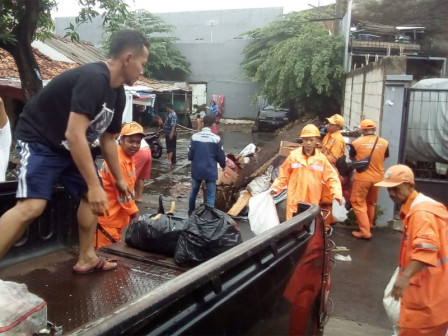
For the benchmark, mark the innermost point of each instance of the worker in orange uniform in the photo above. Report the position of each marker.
(423, 278)
(304, 171)
(143, 163)
(364, 193)
(333, 147)
(121, 211)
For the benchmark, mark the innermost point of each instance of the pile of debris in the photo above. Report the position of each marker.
(251, 163)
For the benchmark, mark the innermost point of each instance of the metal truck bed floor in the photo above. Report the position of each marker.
(89, 297)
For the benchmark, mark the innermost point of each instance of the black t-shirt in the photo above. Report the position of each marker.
(85, 89)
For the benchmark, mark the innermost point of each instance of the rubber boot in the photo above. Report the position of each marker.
(364, 226)
(371, 214)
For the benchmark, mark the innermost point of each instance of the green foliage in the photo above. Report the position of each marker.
(13, 13)
(165, 61)
(114, 13)
(297, 61)
(22, 21)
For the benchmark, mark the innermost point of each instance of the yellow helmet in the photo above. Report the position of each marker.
(309, 131)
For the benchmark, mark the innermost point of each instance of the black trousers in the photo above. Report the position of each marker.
(171, 146)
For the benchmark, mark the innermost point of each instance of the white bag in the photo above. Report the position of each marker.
(21, 312)
(391, 305)
(339, 211)
(249, 149)
(261, 183)
(262, 212)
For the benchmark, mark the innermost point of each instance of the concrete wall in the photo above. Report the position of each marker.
(92, 32)
(364, 89)
(212, 43)
(216, 26)
(218, 65)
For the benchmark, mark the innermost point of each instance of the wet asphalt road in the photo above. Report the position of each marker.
(357, 285)
(174, 183)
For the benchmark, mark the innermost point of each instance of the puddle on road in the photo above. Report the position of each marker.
(234, 142)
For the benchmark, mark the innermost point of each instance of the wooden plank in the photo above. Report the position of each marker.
(239, 205)
(263, 168)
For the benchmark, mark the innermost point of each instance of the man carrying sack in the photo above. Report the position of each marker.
(423, 268)
(364, 192)
(304, 172)
(333, 147)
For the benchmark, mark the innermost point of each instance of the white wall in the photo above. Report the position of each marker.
(364, 90)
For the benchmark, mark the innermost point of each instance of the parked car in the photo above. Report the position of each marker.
(271, 118)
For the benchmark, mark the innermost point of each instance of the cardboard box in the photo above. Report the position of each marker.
(286, 147)
(226, 176)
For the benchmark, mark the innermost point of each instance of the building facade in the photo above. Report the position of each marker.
(213, 43)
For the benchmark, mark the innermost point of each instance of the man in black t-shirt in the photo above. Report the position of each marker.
(53, 136)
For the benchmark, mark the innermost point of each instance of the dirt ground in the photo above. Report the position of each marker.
(288, 133)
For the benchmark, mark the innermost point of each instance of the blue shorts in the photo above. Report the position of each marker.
(41, 168)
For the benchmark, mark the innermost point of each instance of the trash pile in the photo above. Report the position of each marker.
(205, 234)
(227, 184)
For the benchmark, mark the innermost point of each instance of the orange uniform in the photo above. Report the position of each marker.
(364, 194)
(362, 148)
(120, 209)
(333, 147)
(424, 305)
(304, 176)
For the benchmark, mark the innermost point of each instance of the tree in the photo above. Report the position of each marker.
(165, 61)
(297, 62)
(22, 21)
(18, 23)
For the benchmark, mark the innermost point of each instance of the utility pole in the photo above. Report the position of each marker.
(211, 23)
(348, 21)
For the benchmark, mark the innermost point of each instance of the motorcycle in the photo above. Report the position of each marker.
(154, 144)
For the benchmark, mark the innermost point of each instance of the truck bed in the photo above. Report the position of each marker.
(75, 300)
(91, 297)
(239, 292)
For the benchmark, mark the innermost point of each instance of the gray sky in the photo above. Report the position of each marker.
(71, 8)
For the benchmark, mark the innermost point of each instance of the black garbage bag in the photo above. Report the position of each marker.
(155, 233)
(207, 233)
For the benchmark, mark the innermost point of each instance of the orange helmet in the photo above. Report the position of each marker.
(367, 124)
(309, 131)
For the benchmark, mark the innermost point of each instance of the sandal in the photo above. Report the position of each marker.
(100, 266)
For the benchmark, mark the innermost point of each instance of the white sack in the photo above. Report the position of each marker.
(391, 305)
(261, 183)
(21, 312)
(249, 149)
(262, 212)
(339, 211)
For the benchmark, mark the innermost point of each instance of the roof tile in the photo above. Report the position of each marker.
(48, 67)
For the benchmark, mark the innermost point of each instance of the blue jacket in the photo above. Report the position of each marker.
(205, 152)
(213, 110)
